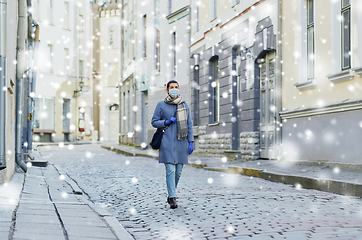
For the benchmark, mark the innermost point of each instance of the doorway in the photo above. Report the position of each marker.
(268, 109)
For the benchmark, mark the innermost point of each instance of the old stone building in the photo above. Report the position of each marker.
(236, 82)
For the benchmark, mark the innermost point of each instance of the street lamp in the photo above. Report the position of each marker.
(81, 85)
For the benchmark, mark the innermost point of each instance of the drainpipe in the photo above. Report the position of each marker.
(31, 85)
(22, 31)
(121, 73)
(279, 77)
(3, 8)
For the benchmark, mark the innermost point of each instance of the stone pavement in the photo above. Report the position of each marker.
(212, 204)
(47, 205)
(332, 177)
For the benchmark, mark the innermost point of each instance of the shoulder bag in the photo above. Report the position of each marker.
(157, 138)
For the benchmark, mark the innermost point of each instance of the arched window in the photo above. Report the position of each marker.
(114, 107)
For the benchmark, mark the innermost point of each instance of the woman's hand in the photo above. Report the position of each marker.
(171, 120)
(191, 147)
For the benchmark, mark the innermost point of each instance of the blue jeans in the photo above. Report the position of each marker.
(173, 174)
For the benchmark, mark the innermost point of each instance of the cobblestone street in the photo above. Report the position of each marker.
(212, 205)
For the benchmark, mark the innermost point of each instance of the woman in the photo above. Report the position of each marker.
(178, 138)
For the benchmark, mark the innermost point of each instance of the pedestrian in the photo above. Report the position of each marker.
(178, 138)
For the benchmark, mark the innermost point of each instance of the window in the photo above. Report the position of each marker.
(113, 75)
(81, 23)
(50, 54)
(66, 61)
(169, 6)
(131, 42)
(81, 68)
(50, 11)
(234, 2)
(66, 15)
(310, 39)
(197, 15)
(129, 110)
(113, 37)
(157, 51)
(37, 10)
(213, 9)
(124, 112)
(44, 114)
(196, 92)
(144, 37)
(346, 34)
(214, 90)
(174, 66)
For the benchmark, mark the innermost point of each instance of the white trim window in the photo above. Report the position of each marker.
(81, 23)
(66, 15)
(346, 34)
(44, 114)
(174, 61)
(234, 2)
(50, 11)
(113, 37)
(310, 40)
(112, 74)
(196, 15)
(50, 55)
(66, 62)
(157, 50)
(213, 9)
(80, 68)
(144, 36)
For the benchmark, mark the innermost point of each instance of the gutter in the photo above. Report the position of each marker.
(3, 13)
(20, 69)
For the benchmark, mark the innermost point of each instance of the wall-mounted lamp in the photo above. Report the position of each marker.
(196, 57)
(81, 85)
(247, 52)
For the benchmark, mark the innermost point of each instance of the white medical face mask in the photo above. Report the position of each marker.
(174, 92)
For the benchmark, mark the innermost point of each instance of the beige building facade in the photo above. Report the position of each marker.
(106, 57)
(322, 84)
(63, 93)
(8, 68)
(155, 49)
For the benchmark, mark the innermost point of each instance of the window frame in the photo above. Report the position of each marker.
(66, 15)
(310, 26)
(144, 37)
(66, 62)
(157, 50)
(174, 59)
(345, 9)
(51, 54)
(80, 68)
(214, 107)
(39, 109)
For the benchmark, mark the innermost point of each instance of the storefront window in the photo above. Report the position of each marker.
(44, 114)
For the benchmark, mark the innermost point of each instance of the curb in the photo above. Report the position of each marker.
(41, 144)
(130, 154)
(325, 185)
(117, 228)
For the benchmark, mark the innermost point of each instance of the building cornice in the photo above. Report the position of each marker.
(181, 10)
(221, 25)
(344, 106)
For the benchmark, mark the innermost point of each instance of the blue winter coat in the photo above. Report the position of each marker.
(172, 150)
